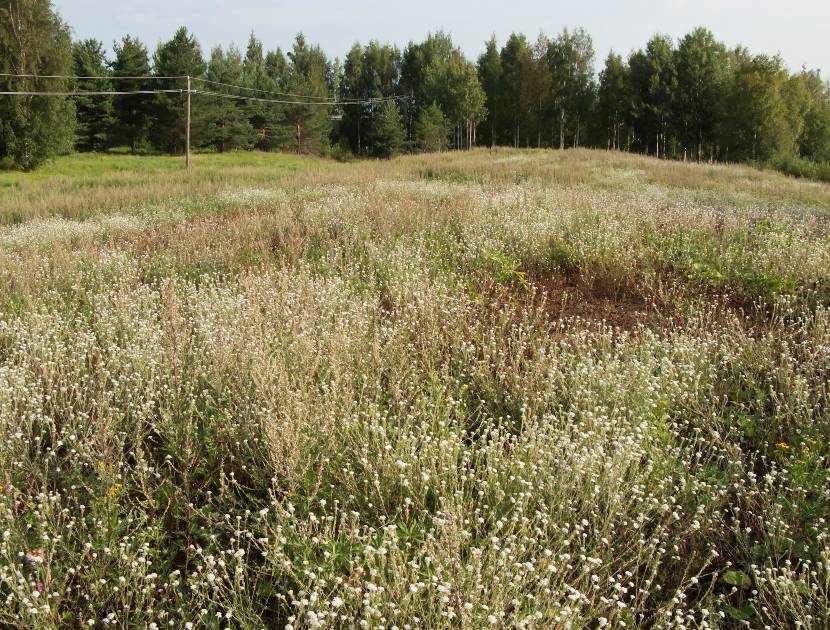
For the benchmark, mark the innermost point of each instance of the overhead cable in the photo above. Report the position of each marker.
(100, 78)
(259, 91)
(284, 102)
(92, 93)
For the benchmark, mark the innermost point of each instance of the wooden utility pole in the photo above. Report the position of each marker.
(187, 134)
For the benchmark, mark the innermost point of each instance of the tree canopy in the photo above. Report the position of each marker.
(687, 99)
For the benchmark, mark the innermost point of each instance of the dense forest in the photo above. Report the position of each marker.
(694, 99)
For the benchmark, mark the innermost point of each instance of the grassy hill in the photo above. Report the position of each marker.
(510, 388)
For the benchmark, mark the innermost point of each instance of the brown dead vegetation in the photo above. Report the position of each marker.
(563, 297)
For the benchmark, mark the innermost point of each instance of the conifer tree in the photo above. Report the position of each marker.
(262, 76)
(131, 111)
(387, 134)
(179, 57)
(221, 123)
(94, 113)
(432, 129)
(308, 76)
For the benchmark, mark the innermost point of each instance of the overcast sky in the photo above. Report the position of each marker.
(798, 29)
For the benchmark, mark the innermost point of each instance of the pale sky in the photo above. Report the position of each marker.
(798, 29)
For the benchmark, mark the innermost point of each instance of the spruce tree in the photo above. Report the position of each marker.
(264, 74)
(308, 76)
(181, 56)
(387, 133)
(131, 112)
(432, 129)
(221, 123)
(34, 40)
(94, 113)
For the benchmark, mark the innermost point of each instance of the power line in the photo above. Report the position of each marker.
(248, 89)
(284, 102)
(313, 100)
(321, 100)
(92, 93)
(69, 76)
(189, 91)
(239, 97)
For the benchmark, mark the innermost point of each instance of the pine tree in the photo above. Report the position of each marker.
(34, 40)
(179, 57)
(131, 111)
(94, 113)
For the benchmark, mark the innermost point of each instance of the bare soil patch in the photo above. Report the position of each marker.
(569, 298)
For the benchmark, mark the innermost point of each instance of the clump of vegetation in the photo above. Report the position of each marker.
(283, 392)
(432, 130)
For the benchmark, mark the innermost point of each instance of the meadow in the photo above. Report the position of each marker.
(530, 389)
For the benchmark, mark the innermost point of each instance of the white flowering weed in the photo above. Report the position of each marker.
(545, 390)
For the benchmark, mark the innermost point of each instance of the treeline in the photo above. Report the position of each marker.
(693, 99)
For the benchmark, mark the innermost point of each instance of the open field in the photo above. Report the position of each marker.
(512, 389)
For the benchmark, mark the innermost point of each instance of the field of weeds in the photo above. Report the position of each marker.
(506, 389)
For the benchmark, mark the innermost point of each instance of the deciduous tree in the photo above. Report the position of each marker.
(34, 40)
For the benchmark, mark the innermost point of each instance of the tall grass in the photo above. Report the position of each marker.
(523, 389)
